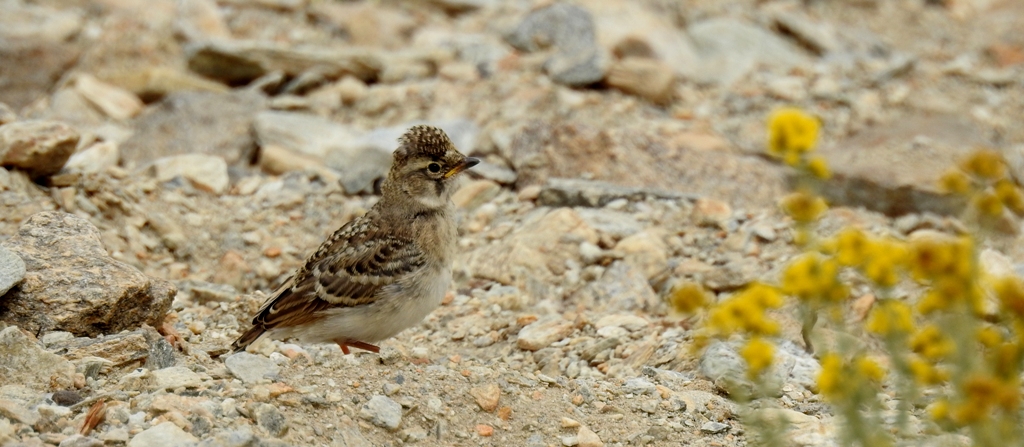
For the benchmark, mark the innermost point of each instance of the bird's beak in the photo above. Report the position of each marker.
(467, 163)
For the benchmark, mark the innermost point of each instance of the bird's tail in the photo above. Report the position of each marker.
(247, 338)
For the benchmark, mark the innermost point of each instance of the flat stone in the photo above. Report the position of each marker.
(113, 101)
(622, 288)
(486, 396)
(121, 349)
(207, 172)
(638, 386)
(587, 438)
(382, 412)
(164, 434)
(631, 158)
(96, 158)
(731, 48)
(72, 284)
(591, 193)
(271, 419)
(17, 412)
(543, 332)
(39, 47)
(24, 362)
(630, 322)
(251, 368)
(650, 79)
(195, 122)
(37, 147)
(867, 167)
(177, 377)
(12, 270)
(241, 61)
(569, 29)
(714, 428)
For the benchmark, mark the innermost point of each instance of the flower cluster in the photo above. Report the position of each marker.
(952, 336)
(792, 136)
(983, 178)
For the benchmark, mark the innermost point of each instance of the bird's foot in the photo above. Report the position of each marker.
(345, 344)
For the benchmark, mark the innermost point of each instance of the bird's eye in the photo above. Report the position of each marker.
(434, 167)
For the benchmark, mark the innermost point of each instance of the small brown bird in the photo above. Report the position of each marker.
(383, 272)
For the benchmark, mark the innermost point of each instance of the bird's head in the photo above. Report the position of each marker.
(426, 167)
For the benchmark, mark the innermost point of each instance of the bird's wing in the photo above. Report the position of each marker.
(348, 270)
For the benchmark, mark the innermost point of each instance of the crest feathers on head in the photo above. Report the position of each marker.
(423, 140)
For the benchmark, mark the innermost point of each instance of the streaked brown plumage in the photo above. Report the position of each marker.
(383, 272)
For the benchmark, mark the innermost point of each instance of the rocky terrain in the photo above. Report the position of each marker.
(166, 163)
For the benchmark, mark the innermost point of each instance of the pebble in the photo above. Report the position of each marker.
(176, 377)
(12, 269)
(486, 396)
(18, 413)
(543, 332)
(42, 147)
(208, 172)
(713, 428)
(164, 434)
(587, 438)
(81, 441)
(631, 323)
(638, 386)
(382, 412)
(271, 419)
(251, 368)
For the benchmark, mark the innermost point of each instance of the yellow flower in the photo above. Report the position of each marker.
(758, 354)
(686, 298)
(939, 410)
(891, 317)
(812, 277)
(767, 297)
(989, 337)
(818, 167)
(988, 204)
(746, 312)
(791, 130)
(1010, 291)
(942, 257)
(851, 247)
(1010, 195)
(982, 393)
(985, 163)
(885, 256)
(830, 379)
(870, 369)
(927, 374)
(803, 207)
(954, 181)
(931, 343)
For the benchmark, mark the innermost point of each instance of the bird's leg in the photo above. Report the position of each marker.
(345, 344)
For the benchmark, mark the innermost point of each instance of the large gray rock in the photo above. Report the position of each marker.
(36, 50)
(731, 48)
(12, 270)
(577, 60)
(165, 434)
(196, 122)
(73, 285)
(24, 362)
(239, 61)
(869, 169)
(37, 147)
